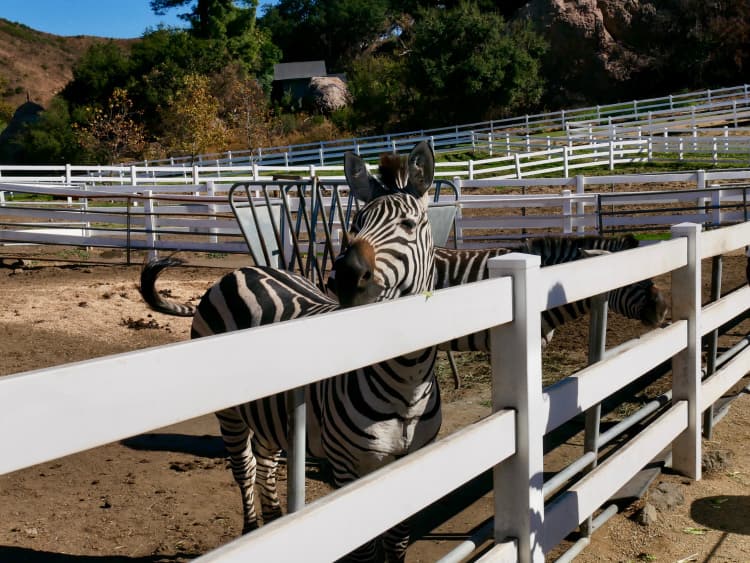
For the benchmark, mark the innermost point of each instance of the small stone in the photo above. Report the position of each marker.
(666, 496)
(647, 515)
(31, 532)
(716, 461)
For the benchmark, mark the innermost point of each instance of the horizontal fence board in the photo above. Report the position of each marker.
(72, 396)
(575, 505)
(724, 379)
(722, 241)
(640, 220)
(575, 394)
(725, 309)
(636, 264)
(317, 528)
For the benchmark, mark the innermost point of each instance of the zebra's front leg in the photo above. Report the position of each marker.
(395, 542)
(268, 464)
(237, 437)
(369, 552)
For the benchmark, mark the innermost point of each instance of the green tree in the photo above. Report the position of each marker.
(376, 85)
(333, 30)
(192, 124)
(464, 65)
(112, 132)
(102, 68)
(230, 29)
(51, 139)
(693, 44)
(243, 106)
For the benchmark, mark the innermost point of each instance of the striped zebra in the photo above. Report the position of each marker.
(641, 300)
(255, 296)
(357, 421)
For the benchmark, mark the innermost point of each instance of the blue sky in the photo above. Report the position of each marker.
(104, 18)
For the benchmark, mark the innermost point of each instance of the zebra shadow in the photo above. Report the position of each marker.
(201, 446)
(27, 555)
(209, 446)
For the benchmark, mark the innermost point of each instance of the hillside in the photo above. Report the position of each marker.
(38, 63)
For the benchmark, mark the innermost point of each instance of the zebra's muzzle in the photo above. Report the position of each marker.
(353, 276)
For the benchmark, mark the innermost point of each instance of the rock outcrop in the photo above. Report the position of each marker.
(577, 28)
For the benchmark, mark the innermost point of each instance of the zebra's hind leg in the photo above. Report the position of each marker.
(268, 464)
(237, 437)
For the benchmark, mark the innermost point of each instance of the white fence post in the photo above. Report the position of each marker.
(580, 206)
(133, 176)
(150, 219)
(565, 160)
(517, 384)
(517, 161)
(212, 209)
(686, 366)
(567, 210)
(196, 175)
(459, 218)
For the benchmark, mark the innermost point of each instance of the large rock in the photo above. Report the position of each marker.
(329, 93)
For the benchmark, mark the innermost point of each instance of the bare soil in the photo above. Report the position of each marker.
(168, 495)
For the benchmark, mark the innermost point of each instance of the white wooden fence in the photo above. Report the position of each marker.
(198, 218)
(515, 134)
(542, 158)
(133, 396)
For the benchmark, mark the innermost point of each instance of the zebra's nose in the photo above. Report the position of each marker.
(353, 273)
(354, 268)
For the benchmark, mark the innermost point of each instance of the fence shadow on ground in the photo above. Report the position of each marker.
(27, 555)
(726, 513)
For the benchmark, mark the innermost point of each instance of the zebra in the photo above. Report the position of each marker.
(254, 296)
(641, 300)
(357, 421)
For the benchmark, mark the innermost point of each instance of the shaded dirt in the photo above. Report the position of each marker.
(169, 496)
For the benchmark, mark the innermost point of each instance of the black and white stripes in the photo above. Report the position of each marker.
(357, 421)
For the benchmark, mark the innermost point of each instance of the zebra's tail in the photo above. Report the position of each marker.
(149, 274)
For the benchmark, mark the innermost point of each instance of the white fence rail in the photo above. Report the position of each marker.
(198, 218)
(535, 159)
(133, 396)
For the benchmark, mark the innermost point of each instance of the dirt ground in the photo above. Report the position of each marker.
(168, 496)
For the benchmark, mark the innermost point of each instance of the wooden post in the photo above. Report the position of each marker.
(517, 384)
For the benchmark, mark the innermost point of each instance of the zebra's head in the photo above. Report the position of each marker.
(641, 300)
(389, 251)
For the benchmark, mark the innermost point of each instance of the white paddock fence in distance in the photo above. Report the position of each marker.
(534, 160)
(197, 218)
(133, 396)
(668, 115)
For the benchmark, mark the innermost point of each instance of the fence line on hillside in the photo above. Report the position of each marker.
(134, 397)
(706, 106)
(728, 150)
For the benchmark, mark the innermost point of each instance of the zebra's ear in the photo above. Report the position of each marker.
(421, 163)
(590, 252)
(363, 185)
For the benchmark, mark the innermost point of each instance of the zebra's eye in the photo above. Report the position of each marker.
(408, 224)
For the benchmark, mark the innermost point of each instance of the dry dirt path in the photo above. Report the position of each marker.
(168, 495)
